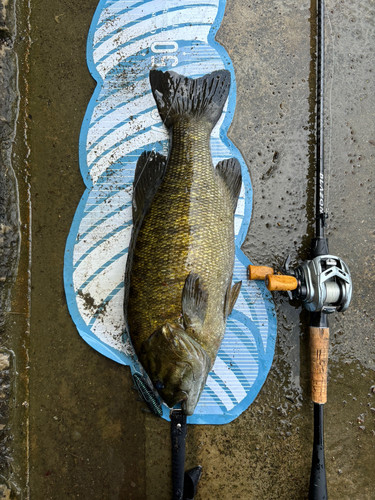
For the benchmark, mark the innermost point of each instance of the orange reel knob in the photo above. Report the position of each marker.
(259, 272)
(281, 283)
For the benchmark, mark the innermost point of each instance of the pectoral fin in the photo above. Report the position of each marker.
(230, 171)
(194, 302)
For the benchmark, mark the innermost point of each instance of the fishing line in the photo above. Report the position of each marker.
(320, 215)
(330, 107)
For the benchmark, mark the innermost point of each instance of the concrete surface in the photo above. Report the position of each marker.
(9, 100)
(72, 424)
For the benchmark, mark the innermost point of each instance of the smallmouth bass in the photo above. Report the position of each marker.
(178, 280)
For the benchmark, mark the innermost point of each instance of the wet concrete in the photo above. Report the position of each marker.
(75, 426)
(9, 99)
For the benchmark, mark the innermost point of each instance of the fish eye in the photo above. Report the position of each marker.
(159, 385)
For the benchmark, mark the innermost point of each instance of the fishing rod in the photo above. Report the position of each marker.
(323, 283)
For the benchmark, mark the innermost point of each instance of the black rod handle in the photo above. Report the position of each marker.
(178, 436)
(318, 482)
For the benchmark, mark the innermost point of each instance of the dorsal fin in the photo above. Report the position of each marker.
(230, 171)
(148, 175)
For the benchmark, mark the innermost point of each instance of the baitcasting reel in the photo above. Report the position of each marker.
(323, 284)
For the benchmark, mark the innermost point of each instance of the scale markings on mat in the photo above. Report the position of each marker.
(127, 38)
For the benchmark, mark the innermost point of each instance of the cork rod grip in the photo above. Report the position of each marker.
(319, 348)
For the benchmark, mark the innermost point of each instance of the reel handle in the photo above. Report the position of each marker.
(274, 282)
(280, 283)
(259, 272)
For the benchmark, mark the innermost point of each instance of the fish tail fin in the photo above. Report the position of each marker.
(178, 96)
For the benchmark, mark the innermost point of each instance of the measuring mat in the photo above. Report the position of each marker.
(126, 40)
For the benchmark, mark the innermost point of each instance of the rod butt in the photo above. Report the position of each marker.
(178, 437)
(318, 482)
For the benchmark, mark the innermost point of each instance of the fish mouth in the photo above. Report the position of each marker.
(184, 389)
(180, 397)
(189, 404)
(187, 399)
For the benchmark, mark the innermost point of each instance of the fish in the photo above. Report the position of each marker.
(179, 269)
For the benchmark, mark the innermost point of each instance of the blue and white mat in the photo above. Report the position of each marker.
(128, 38)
